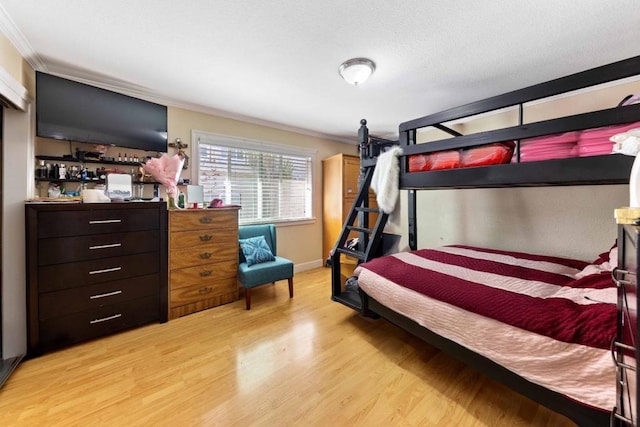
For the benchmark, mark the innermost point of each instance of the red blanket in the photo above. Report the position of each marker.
(537, 293)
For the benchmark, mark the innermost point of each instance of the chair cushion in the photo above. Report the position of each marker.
(266, 272)
(256, 250)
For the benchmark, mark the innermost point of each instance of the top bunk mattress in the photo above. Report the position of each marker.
(548, 319)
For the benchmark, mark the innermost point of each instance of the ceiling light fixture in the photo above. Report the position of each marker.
(357, 70)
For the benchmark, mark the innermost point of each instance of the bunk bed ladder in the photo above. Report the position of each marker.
(369, 239)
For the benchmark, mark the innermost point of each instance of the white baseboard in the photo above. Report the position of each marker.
(307, 266)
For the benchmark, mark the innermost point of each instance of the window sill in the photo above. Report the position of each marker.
(283, 223)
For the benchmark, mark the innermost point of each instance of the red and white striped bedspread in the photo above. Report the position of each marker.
(525, 312)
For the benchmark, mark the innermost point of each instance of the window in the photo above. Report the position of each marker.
(271, 182)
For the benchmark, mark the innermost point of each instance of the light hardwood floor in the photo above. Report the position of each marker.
(305, 362)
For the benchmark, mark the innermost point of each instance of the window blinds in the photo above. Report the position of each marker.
(270, 186)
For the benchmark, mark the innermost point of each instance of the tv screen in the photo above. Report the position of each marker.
(78, 112)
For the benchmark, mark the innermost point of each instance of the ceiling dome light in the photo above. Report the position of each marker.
(357, 70)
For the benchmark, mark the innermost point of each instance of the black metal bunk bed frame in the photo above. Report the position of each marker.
(596, 170)
(625, 346)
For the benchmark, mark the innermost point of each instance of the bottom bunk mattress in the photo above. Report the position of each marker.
(550, 320)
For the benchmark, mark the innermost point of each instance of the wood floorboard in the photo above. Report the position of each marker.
(305, 361)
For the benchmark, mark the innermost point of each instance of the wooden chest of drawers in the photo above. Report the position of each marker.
(203, 259)
(93, 269)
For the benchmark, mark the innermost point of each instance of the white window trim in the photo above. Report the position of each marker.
(253, 144)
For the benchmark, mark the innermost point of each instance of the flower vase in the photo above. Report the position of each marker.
(171, 202)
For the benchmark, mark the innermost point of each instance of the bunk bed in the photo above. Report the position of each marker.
(592, 297)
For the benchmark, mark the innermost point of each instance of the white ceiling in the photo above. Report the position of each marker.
(276, 62)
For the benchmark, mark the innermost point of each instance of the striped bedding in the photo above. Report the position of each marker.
(528, 313)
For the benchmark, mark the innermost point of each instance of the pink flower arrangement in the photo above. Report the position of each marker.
(166, 170)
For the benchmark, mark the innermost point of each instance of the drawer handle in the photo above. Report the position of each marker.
(105, 319)
(106, 270)
(106, 221)
(205, 238)
(205, 273)
(205, 220)
(111, 245)
(204, 290)
(205, 255)
(108, 294)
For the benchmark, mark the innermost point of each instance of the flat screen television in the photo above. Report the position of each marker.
(74, 111)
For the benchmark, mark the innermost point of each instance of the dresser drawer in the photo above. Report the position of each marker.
(213, 219)
(190, 239)
(190, 257)
(74, 300)
(65, 330)
(210, 289)
(84, 222)
(203, 274)
(70, 249)
(65, 276)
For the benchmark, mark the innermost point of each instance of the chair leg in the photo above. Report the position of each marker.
(290, 287)
(247, 297)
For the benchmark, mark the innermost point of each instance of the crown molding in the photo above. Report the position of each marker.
(19, 41)
(12, 91)
(260, 122)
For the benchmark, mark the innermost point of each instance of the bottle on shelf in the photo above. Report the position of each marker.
(120, 157)
(41, 170)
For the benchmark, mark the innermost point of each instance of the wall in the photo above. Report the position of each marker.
(302, 243)
(574, 221)
(17, 177)
(15, 64)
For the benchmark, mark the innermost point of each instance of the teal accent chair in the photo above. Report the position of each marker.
(266, 272)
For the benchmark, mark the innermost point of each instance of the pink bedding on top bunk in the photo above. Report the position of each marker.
(589, 142)
(538, 316)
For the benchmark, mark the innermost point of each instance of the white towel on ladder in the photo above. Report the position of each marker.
(385, 182)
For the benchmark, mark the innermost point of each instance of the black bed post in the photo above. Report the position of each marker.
(520, 122)
(363, 139)
(413, 226)
(365, 153)
(407, 138)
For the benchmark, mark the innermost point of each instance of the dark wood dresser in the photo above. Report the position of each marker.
(93, 269)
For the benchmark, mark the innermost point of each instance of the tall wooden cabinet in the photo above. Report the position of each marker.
(203, 259)
(339, 189)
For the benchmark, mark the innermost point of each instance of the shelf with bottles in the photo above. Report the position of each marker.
(90, 181)
(60, 172)
(71, 159)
